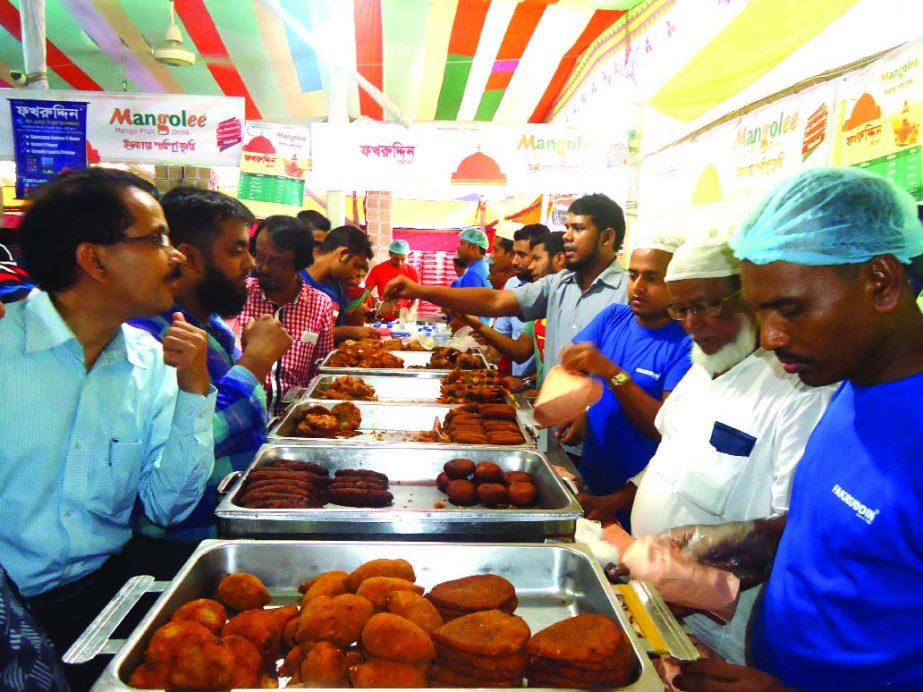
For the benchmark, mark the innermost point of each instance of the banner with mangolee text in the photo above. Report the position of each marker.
(147, 128)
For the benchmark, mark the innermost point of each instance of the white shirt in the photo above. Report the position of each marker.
(728, 451)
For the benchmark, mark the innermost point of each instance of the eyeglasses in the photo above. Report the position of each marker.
(272, 262)
(157, 240)
(681, 314)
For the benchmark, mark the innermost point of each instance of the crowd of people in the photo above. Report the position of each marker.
(759, 402)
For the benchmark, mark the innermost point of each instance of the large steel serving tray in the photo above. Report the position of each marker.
(404, 390)
(553, 582)
(388, 423)
(414, 514)
(415, 363)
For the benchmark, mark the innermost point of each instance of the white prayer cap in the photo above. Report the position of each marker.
(658, 240)
(705, 257)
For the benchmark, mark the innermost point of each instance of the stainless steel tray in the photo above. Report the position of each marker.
(385, 423)
(553, 582)
(414, 366)
(388, 389)
(413, 516)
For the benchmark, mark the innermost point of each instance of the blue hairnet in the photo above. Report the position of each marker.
(399, 247)
(826, 216)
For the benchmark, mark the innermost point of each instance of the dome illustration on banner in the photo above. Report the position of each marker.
(478, 169)
(260, 145)
(708, 189)
(864, 111)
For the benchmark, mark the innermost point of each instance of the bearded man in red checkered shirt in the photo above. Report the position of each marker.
(281, 248)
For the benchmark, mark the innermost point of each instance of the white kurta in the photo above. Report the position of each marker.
(728, 451)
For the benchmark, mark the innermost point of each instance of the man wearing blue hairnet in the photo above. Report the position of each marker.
(826, 266)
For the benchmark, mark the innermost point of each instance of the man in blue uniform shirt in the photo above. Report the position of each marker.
(826, 267)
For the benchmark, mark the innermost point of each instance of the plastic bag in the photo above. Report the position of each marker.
(564, 396)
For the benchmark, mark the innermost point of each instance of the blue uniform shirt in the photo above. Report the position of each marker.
(656, 359)
(843, 609)
(475, 276)
(335, 291)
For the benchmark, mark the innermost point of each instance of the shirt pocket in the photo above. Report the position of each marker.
(709, 481)
(114, 490)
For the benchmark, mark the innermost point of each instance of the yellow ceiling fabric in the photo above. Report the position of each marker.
(756, 40)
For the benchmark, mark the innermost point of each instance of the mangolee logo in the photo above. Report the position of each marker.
(558, 145)
(765, 133)
(162, 122)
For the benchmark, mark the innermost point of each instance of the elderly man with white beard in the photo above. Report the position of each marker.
(731, 432)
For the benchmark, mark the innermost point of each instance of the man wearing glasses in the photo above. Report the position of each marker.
(732, 430)
(108, 416)
(283, 251)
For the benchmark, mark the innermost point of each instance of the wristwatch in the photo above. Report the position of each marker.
(619, 378)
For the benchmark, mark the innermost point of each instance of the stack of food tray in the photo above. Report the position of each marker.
(415, 365)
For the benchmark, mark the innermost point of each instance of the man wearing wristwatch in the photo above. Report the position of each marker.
(640, 354)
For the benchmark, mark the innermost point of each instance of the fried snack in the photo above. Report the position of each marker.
(259, 474)
(298, 465)
(164, 646)
(364, 474)
(485, 633)
(348, 388)
(348, 415)
(518, 477)
(243, 591)
(288, 632)
(521, 494)
(291, 664)
(380, 568)
(317, 425)
(578, 640)
(617, 674)
(498, 411)
(360, 497)
(377, 673)
(491, 494)
(415, 608)
(504, 438)
(474, 593)
(468, 439)
(366, 353)
(339, 620)
(247, 666)
(506, 666)
(205, 611)
(442, 481)
(287, 502)
(200, 663)
(377, 590)
(324, 666)
(462, 493)
(259, 628)
(286, 483)
(325, 584)
(458, 468)
(282, 615)
(489, 472)
(148, 677)
(394, 638)
(441, 676)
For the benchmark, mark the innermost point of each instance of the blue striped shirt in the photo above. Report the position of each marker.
(77, 448)
(239, 423)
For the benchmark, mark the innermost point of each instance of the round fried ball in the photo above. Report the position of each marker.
(243, 591)
(518, 477)
(442, 481)
(205, 611)
(522, 494)
(491, 493)
(248, 665)
(458, 468)
(489, 472)
(324, 666)
(462, 492)
(148, 677)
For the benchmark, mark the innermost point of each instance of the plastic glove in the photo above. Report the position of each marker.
(746, 548)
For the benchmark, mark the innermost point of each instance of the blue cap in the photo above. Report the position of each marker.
(475, 236)
(399, 247)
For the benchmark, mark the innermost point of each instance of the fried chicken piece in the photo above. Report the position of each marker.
(415, 608)
(380, 568)
(243, 591)
(247, 667)
(377, 590)
(205, 611)
(377, 673)
(349, 388)
(324, 666)
(394, 638)
(339, 620)
(315, 424)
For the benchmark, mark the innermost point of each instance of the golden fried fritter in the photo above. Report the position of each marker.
(415, 608)
(205, 611)
(348, 415)
(394, 638)
(442, 676)
(170, 638)
(247, 667)
(282, 615)
(377, 673)
(334, 574)
(470, 594)
(148, 677)
(339, 620)
(582, 638)
(205, 664)
(243, 591)
(324, 666)
(377, 589)
(259, 628)
(488, 633)
(379, 568)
